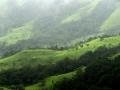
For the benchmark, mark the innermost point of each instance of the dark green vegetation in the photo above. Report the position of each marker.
(59, 44)
(19, 77)
(101, 75)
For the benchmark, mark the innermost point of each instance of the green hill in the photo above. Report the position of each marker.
(17, 34)
(43, 42)
(35, 57)
(112, 22)
(49, 82)
(72, 22)
(46, 56)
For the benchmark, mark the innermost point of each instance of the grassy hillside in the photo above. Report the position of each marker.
(45, 56)
(27, 24)
(112, 22)
(17, 34)
(72, 18)
(76, 20)
(49, 82)
(84, 11)
(34, 57)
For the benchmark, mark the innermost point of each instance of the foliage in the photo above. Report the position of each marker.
(101, 75)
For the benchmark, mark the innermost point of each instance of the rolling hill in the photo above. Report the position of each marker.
(112, 22)
(70, 22)
(45, 56)
(43, 43)
(49, 81)
(35, 57)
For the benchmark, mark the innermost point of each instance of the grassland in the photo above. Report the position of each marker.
(33, 57)
(49, 82)
(72, 18)
(46, 56)
(82, 12)
(112, 22)
(17, 34)
(34, 87)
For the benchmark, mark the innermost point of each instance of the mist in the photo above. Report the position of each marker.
(59, 44)
(54, 22)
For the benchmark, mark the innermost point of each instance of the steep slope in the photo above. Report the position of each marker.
(26, 26)
(71, 21)
(81, 22)
(112, 23)
(17, 34)
(36, 57)
(46, 56)
(49, 82)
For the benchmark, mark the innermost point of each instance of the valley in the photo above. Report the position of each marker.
(59, 45)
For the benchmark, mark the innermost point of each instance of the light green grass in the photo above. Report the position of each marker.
(113, 21)
(47, 56)
(17, 34)
(31, 57)
(49, 82)
(94, 5)
(72, 18)
(33, 87)
(82, 12)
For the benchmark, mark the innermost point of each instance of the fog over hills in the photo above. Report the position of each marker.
(59, 44)
(56, 22)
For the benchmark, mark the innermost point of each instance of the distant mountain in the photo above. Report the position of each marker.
(46, 43)
(54, 23)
